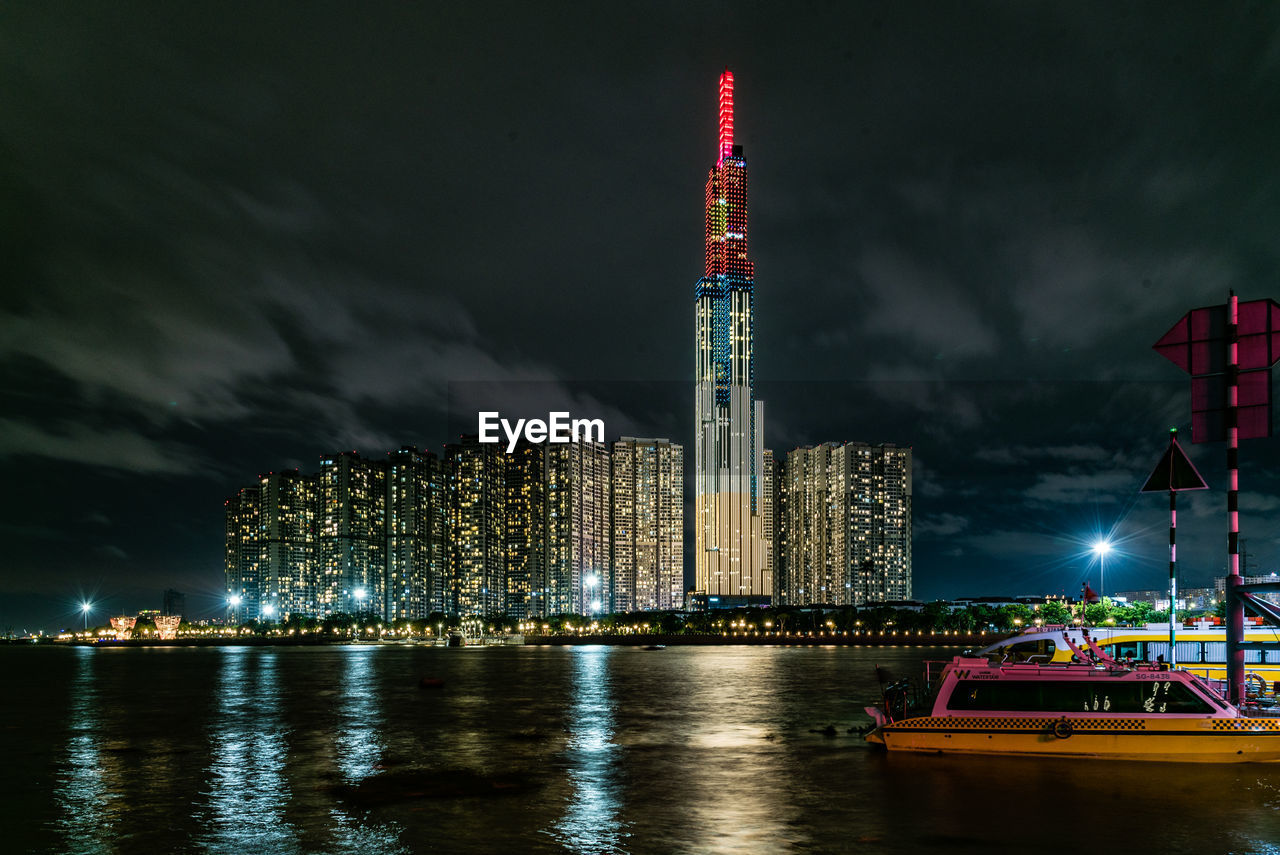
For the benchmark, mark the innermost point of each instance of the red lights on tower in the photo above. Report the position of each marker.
(726, 116)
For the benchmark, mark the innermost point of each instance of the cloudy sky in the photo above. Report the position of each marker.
(235, 238)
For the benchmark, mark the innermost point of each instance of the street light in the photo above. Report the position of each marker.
(1101, 548)
(85, 607)
(268, 610)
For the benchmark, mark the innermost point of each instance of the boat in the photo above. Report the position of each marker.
(1095, 707)
(1201, 648)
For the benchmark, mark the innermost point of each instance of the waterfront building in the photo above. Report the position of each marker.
(415, 550)
(526, 531)
(810, 576)
(352, 534)
(579, 577)
(288, 542)
(243, 554)
(776, 520)
(648, 525)
(730, 552)
(848, 513)
(477, 530)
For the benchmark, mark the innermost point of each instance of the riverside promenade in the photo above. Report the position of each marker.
(802, 639)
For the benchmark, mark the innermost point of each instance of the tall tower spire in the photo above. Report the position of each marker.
(730, 558)
(726, 116)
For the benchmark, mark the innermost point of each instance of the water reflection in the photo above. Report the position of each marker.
(359, 747)
(88, 805)
(737, 756)
(591, 823)
(248, 789)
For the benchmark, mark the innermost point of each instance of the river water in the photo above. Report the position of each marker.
(581, 749)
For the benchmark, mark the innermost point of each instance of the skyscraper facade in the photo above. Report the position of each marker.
(730, 550)
(477, 533)
(288, 519)
(848, 524)
(352, 534)
(244, 554)
(526, 531)
(648, 525)
(416, 515)
(579, 528)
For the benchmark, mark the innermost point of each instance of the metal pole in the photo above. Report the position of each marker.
(1173, 567)
(1235, 607)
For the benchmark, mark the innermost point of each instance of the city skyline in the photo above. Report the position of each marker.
(232, 253)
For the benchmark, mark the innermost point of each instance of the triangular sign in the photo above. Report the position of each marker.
(1174, 473)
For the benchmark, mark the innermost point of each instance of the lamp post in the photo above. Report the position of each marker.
(85, 607)
(1101, 548)
(233, 603)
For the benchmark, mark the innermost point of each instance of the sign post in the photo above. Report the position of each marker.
(1174, 473)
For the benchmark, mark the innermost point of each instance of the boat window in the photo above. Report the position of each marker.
(1153, 696)
(1041, 649)
(1253, 656)
(1215, 651)
(1190, 651)
(1125, 650)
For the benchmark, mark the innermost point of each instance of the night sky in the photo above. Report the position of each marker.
(235, 238)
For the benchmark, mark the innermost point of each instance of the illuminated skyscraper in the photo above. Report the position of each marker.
(526, 530)
(648, 525)
(730, 552)
(244, 554)
(848, 521)
(477, 528)
(352, 534)
(288, 519)
(579, 557)
(416, 516)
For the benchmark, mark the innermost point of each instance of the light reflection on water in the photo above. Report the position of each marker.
(719, 750)
(248, 789)
(590, 823)
(359, 748)
(87, 802)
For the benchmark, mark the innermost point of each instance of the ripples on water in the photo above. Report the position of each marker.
(584, 750)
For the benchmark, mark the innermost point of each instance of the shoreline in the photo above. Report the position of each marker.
(832, 639)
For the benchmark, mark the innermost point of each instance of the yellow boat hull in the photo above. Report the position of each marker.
(1179, 740)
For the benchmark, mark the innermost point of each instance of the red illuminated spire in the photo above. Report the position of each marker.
(726, 116)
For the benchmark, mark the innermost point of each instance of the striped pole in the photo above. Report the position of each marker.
(1173, 557)
(1235, 606)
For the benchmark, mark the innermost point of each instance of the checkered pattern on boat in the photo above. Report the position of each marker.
(1033, 724)
(1249, 725)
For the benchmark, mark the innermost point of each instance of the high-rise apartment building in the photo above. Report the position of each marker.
(288, 541)
(243, 543)
(775, 522)
(351, 534)
(526, 531)
(848, 524)
(730, 552)
(579, 556)
(648, 525)
(810, 575)
(415, 550)
(477, 531)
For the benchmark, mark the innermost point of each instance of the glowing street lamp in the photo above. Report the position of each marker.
(1100, 549)
(269, 610)
(86, 607)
